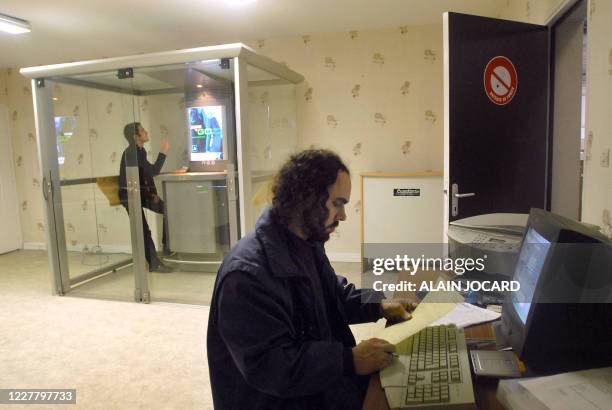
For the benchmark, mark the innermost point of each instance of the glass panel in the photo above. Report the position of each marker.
(192, 110)
(89, 128)
(272, 133)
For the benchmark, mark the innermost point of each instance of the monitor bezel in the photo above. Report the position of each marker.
(539, 220)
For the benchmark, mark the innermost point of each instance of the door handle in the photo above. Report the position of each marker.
(47, 188)
(455, 198)
(231, 183)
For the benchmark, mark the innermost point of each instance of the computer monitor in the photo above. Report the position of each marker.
(561, 318)
(534, 250)
(207, 136)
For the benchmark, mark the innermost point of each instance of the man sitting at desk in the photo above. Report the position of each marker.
(278, 330)
(136, 155)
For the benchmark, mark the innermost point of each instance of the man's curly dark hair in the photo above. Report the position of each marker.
(300, 190)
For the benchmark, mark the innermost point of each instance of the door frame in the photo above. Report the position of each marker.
(562, 9)
(50, 185)
(556, 196)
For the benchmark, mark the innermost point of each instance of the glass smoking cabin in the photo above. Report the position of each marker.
(228, 116)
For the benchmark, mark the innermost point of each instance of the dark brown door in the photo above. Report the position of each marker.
(497, 91)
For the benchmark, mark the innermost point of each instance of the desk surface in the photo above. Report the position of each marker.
(485, 392)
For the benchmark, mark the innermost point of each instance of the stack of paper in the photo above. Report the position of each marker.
(465, 314)
(584, 390)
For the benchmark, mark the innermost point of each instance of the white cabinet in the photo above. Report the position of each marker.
(402, 213)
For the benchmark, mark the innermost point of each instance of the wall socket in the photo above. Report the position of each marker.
(605, 158)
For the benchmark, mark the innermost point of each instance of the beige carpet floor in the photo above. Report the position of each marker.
(117, 355)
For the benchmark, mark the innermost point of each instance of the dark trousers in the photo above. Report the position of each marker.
(150, 252)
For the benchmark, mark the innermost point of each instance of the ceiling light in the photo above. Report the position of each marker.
(199, 86)
(14, 25)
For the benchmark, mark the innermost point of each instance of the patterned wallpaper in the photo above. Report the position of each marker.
(375, 97)
(18, 97)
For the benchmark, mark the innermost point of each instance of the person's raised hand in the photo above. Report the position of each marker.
(372, 355)
(164, 146)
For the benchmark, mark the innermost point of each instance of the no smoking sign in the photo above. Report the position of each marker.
(500, 80)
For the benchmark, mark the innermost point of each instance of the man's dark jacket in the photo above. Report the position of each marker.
(267, 346)
(137, 156)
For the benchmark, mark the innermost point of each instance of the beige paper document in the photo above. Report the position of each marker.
(465, 314)
(427, 312)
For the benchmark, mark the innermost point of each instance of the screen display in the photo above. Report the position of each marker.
(528, 269)
(206, 132)
(64, 128)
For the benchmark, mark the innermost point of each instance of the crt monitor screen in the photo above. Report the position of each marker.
(528, 268)
(206, 132)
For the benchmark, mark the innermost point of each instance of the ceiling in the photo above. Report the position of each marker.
(74, 30)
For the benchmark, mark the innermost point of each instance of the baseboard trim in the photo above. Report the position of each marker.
(34, 246)
(41, 246)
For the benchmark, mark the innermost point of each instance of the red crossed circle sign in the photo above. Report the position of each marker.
(500, 80)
